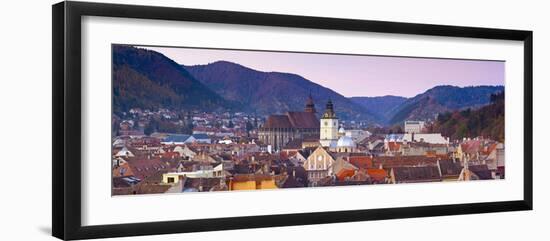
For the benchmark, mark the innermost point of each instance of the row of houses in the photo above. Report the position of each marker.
(327, 168)
(188, 163)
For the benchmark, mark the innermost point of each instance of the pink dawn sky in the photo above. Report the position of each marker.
(352, 75)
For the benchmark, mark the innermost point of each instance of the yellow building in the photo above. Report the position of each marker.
(252, 182)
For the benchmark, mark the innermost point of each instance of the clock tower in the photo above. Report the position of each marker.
(329, 126)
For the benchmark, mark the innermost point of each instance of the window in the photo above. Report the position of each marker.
(170, 180)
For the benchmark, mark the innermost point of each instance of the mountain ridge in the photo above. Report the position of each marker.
(136, 69)
(379, 104)
(272, 92)
(487, 121)
(443, 98)
(148, 79)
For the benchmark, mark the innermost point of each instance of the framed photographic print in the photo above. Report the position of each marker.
(170, 120)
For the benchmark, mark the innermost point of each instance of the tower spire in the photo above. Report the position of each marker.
(329, 110)
(310, 106)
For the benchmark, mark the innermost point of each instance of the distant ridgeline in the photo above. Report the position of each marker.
(487, 121)
(273, 92)
(428, 105)
(149, 80)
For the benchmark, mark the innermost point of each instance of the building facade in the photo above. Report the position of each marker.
(414, 126)
(318, 165)
(278, 130)
(329, 127)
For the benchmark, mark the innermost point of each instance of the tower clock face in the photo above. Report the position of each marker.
(326, 123)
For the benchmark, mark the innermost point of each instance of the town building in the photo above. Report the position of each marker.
(450, 170)
(431, 138)
(329, 127)
(318, 165)
(174, 177)
(475, 172)
(124, 152)
(185, 151)
(414, 126)
(278, 130)
(180, 139)
(357, 134)
(415, 174)
(345, 144)
(252, 182)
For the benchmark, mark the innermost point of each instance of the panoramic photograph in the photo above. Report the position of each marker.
(206, 120)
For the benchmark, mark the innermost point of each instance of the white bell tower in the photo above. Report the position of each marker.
(329, 126)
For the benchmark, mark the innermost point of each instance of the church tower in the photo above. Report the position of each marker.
(310, 106)
(329, 126)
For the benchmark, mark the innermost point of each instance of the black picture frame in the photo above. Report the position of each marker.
(67, 136)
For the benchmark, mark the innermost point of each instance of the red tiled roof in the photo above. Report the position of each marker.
(171, 155)
(142, 188)
(416, 174)
(360, 176)
(397, 161)
(394, 146)
(471, 147)
(277, 121)
(303, 120)
(361, 162)
(143, 167)
(343, 173)
(292, 120)
(378, 175)
(287, 154)
(431, 153)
